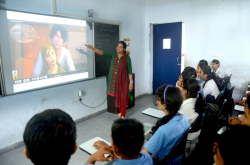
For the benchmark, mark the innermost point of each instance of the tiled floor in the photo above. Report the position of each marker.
(97, 126)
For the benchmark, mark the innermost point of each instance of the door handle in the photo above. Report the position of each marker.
(178, 63)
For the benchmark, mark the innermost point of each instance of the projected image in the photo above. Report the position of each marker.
(28, 42)
(43, 47)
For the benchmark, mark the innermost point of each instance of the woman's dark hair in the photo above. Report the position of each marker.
(210, 75)
(228, 143)
(173, 100)
(193, 89)
(216, 62)
(50, 137)
(204, 62)
(128, 136)
(189, 72)
(59, 28)
(124, 45)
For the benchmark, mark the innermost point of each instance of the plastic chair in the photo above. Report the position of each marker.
(195, 127)
(220, 99)
(227, 109)
(230, 93)
(176, 151)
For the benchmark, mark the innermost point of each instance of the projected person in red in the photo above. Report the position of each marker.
(57, 36)
(120, 82)
(49, 58)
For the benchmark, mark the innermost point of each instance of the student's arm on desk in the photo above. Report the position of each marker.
(99, 155)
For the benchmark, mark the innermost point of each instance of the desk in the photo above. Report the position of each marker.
(153, 113)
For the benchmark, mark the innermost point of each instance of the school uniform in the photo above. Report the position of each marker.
(210, 88)
(166, 136)
(144, 159)
(187, 109)
(219, 73)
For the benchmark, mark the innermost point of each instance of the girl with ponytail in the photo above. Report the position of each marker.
(210, 85)
(192, 107)
(194, 101)
(169, 129)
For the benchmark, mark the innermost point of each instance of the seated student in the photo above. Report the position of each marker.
(232, 146)
(210, 85)
(50, 138)
(170, 128)
(216, 69)
(188, 72)
(191, 108)
(198, 69)
(245, 118)
(127, 138)
(48, 53)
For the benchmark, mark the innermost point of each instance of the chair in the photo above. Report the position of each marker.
(230, 93)
(225, 82)
(220, 99)
(226, 109)
(195, 127)
(176, 151)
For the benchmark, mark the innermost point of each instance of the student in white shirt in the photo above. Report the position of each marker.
(216, 69)
(58, 36)
(210, 85)
(191, 107)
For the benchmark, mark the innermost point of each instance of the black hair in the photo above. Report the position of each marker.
(189, 72)
(59, 28)
(228, 142)
(173, 101)
(216, 62)
(124, 45)
(193, 89)
(50, 137)
(210, 75)
(204, 62)
(128, 136)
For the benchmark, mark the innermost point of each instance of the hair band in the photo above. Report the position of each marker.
(165, 94)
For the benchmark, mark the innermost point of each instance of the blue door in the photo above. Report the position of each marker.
(166, 60)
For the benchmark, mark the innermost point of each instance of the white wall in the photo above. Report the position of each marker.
(212, 27)
(16, 110)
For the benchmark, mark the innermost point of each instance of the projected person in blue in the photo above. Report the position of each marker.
(58, 36)
(48, 53)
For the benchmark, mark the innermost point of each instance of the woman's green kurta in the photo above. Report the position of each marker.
(114, 71)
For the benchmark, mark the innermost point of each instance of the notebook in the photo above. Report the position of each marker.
(153, 113)
(239, 108)
(88, 146)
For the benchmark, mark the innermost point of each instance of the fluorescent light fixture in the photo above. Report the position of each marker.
(48, 82)
(43, 19)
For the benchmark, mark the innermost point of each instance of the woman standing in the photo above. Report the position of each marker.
(120, 82)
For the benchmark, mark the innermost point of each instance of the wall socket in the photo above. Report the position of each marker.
(74, 100)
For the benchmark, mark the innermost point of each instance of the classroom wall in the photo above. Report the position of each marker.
(16, 110)
(212, 27)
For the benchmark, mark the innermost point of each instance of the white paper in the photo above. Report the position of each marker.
(166, 43)
(244, 98)
(247, 91)
(154, 113)
(88, 146)
(239, 108)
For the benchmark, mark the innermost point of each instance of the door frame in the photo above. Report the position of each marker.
(151, 39)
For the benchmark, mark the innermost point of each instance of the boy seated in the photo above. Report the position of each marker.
(216, 69)
(127, 138)
(50, 138)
